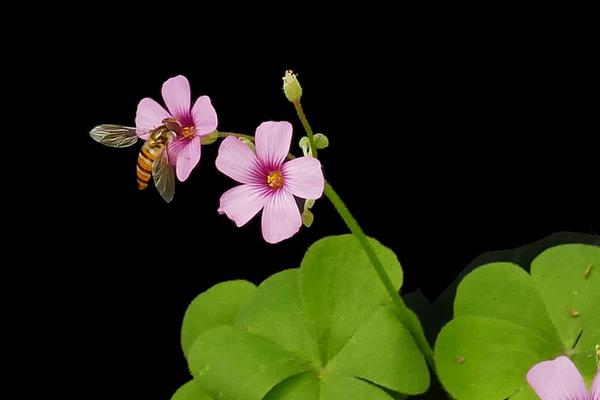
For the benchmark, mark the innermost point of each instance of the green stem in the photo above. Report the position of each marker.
(307, 128)
(401, 310)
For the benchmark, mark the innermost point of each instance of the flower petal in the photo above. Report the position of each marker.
(174, 148)
(273, 141)
(177, 97)
(184, 154)
(304, 178)
(558, 379)
(281, 217)
(595, 392)
(243, 202)
(237, 161)
(149, 115)
(204, 116)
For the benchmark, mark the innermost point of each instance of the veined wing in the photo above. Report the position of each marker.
(164, 176)
(115, 135)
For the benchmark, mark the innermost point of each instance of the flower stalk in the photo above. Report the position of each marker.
(307, 127)
(270, 178)
(402, 311)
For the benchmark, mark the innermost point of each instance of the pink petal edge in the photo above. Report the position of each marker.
(595, 391)
(148, 116)
(242, 202)
(185, 155)
(303, 177)
(558, 379)
(204, 116)
(177, 96)
(273, 140)
(237, 161)
(281, 217)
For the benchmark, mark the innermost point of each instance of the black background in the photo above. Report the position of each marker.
(446, 142)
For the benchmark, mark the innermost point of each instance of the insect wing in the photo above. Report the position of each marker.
(115, 135)
(164, 176)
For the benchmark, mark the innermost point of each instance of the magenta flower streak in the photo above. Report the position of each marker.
(267, 183)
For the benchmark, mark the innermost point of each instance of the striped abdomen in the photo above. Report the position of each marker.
(146, 158)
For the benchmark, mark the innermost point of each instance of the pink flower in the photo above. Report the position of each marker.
(267, 183)
(197, 121)
(559, 379)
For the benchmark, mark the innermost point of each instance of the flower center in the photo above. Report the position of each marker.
(188, 131)
(275, 179)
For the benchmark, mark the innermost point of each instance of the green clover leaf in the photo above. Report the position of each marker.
(324, 331)
(219, 305)
(191, 391)
(506, 321)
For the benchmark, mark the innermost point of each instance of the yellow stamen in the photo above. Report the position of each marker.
(275, 180)
(188, 131)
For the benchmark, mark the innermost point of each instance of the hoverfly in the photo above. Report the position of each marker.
(153, 159)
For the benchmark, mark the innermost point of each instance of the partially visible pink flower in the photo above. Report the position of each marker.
(267, 183)
(559, 379)
(195, 121)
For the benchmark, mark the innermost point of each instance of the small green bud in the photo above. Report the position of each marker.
(305, 146)
(248, 143)
(307, 218)
(209, 138)
(291, 86)
(321, 141)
